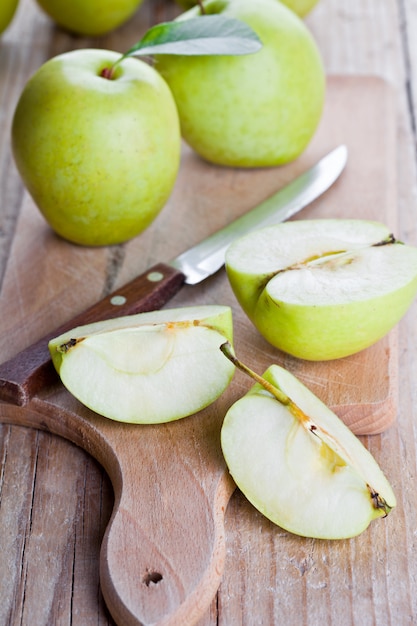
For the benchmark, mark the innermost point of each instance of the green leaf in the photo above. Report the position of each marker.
(203, 35)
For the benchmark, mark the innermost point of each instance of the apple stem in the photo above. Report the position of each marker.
(226, 348)
(107, 72)
(277, 393)
(379, 502)
(202, 9)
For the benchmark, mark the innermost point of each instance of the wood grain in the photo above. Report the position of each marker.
(163, 553)
(56, 501)
(154, 568)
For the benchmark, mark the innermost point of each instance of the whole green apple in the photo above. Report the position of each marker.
(258, 110)
(301, 7)
(323, 289)
(89, 17)
(98, 155)
(7, 11)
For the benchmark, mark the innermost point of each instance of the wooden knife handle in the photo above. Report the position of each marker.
(29, 371)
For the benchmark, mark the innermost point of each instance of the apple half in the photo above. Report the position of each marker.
(298, 463)
(147, 368)
(323, 289)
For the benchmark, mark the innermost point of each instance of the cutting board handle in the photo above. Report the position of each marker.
(29, 371)
(163, 553)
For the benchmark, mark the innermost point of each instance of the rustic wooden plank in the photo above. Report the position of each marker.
(357, 37)
(51, 533)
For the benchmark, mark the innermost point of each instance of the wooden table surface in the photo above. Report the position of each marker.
(55, 500)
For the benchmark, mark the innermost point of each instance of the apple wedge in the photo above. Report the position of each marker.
(147, 368)
(323, 289)
(298, 463)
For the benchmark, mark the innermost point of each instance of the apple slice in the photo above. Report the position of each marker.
(298, 463)
(147, 368)
(323, 289)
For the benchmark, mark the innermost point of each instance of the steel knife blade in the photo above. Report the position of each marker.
(205, 258)
(25, 374)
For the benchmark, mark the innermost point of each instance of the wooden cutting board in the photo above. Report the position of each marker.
(163, 553)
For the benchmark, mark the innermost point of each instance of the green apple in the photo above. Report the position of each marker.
(301, 7)
(98, 154)
(89, 17)
(251, 111)
(7, 11)
(147, 368)
(298, 463)
(323, 289)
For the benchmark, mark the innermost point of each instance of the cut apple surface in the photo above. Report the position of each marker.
(299, 464)
(323, 289)
(147, 368)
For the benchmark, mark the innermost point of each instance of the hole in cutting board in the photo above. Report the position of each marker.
(152, 577)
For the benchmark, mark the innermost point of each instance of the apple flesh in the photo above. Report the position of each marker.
(89, 17)
(99, 155)
(147, 368)
(323, 289)
(7, 11)
(299, 464)
(255, 110)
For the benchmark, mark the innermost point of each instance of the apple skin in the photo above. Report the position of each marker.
(300, 7)
(7, 11)
(290, 473)
(255, 110)
(320, 326)
(89, 17)
(99, 157)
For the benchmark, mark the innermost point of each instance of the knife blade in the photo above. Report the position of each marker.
(207, 257)
(25, 374)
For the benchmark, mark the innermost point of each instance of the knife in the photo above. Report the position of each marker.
(29, 371)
